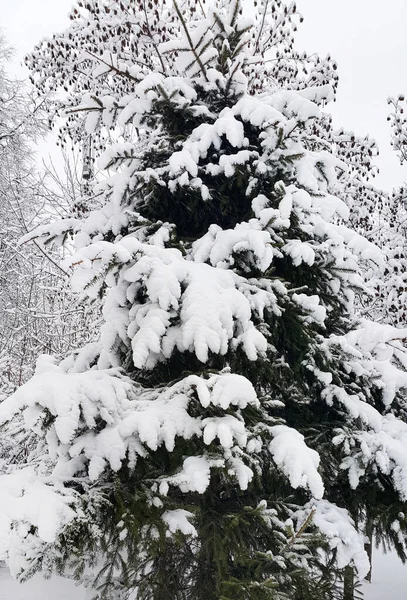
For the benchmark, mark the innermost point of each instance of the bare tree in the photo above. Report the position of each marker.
(36, 310)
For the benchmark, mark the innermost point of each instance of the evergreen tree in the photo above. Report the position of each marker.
(233, 426)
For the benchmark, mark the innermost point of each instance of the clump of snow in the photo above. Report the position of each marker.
(29, 500)
(179, 520)
(297, 461)
(336, 524)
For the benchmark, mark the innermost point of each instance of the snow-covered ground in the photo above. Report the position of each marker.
(389, 579)
(389, 582)
(38, 589)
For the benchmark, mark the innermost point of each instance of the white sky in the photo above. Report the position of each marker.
(367, 37)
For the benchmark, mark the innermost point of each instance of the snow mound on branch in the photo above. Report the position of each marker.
(379, 347)
(203, 138)
(336, 524)
(218, 246)
(210, 303)
(380, 439)
(27, 501)
(194, 476)
(179, 520)
(134, 419)
(297, 461)
(385, 447)
(69, 398)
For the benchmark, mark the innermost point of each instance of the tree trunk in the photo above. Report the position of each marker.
(369, 546)
(349, 584)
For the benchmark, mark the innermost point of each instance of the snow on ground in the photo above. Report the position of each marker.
(38, 589)
(389, 579)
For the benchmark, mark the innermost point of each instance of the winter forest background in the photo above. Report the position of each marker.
(203, 308)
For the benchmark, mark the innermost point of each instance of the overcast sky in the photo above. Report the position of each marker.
(368, 38)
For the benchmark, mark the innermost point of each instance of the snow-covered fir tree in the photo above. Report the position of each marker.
(233, 427)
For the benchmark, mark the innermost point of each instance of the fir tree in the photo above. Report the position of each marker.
(231, 428)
